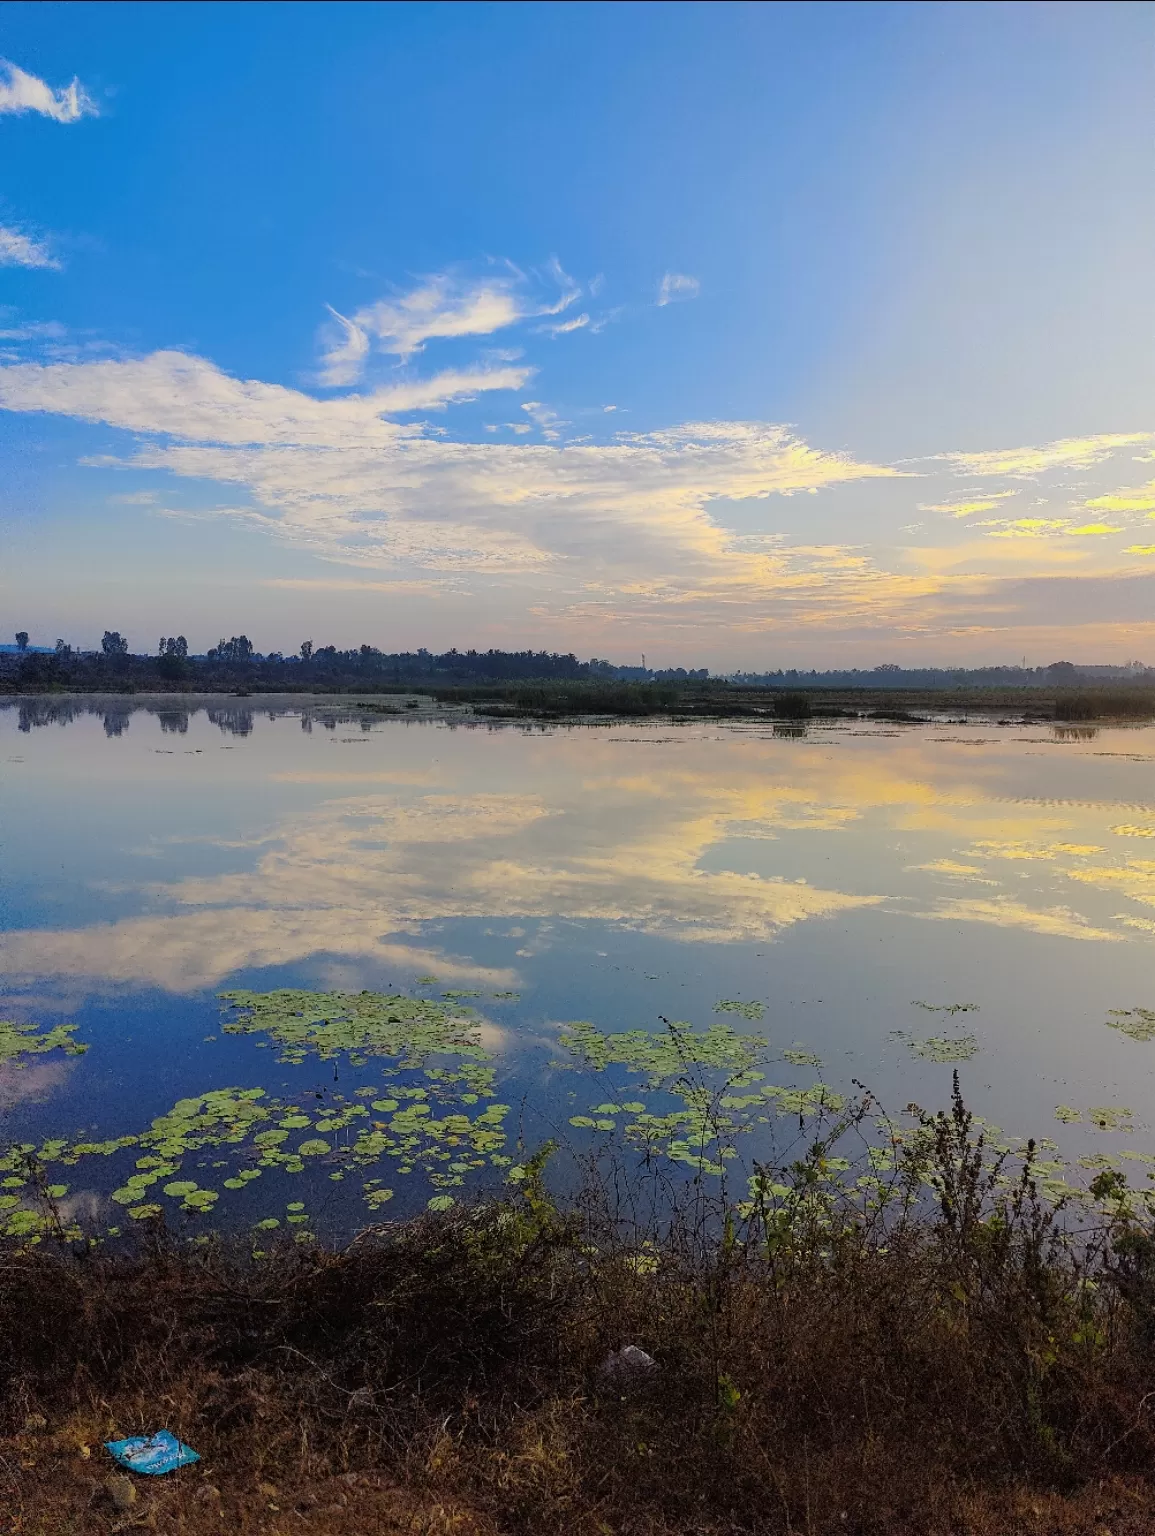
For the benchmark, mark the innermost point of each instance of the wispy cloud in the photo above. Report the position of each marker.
(563, 327)
(439, 309)
(983, 503)
(348, 347)
(172, 394)
(1044, 527)
(615, 538)
(20, 250)
(442, 307)
(430, 587)
(1138, 499)
(1067, 452)
(22, 92)
(339, 476)
(676, 286)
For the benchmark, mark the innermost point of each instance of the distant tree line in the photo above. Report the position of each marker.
(235, 665)
(890, 675)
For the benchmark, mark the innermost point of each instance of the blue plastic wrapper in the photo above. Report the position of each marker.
(152, 1454)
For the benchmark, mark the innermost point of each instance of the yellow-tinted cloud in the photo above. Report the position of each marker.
(1068, 452)
(992, 848)
(1054, 922)
(1135, 879)
(340, 478)
(1142, 499)
(1026, 528)
(967, 508)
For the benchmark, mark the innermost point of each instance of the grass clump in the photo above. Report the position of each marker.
(810, 1344)
(1105, 704)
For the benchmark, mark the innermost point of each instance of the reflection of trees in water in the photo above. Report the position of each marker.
(36, 712)
(232, 722)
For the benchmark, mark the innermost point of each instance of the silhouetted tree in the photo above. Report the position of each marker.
(21, 640)
(239, 648)
(114, 643)
(306, 650)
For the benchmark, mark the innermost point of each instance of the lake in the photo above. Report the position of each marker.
(881, 904)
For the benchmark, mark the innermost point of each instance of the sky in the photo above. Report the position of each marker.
(739, 336)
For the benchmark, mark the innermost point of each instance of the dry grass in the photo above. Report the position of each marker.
(970, 1370)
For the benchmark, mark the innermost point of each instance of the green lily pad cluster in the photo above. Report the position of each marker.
(19, 1040)
(714, 1078)
(940, 1048)
(1136, 1023)
(354, 1024)
(432, 1112)
(1103, 1117)
(752, 1011)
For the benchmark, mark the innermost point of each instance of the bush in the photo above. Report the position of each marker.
(801, 1362)
(791, 706)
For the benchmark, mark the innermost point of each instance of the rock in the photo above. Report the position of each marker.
(122, 1492)
(628, 1364)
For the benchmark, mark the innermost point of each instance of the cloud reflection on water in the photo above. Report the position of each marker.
(718, 836)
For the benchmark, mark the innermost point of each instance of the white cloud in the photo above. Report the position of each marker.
(442, 307)
(439, 309)
(579, 322)
(339, 477)
(21, 250)
(22, 92)
(675, 286)
(547, 420)
(172, 394)
(345, 357)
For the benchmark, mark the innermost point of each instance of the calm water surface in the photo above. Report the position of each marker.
(621, 874)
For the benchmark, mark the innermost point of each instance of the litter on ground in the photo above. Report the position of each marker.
(152, 1454)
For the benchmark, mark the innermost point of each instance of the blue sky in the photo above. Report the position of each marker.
(741, 335)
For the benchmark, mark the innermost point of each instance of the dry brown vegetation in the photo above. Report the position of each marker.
(971, 1371)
